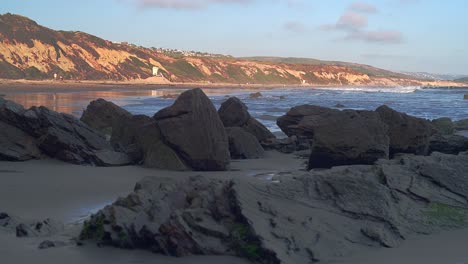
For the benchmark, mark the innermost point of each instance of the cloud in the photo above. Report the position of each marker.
(294, 26)
(379, 36)
(363, 7)
(348, 21)
(185, 4)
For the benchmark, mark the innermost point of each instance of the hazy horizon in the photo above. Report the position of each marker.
(399, 35)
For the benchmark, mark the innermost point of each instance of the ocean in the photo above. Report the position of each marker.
(424, 102)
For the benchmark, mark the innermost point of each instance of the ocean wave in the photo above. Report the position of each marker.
(407, 89)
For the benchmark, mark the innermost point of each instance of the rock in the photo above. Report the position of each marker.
(306, 218)
(287, 145)
(43, 228)
(103, 116)
(340, 106)
(109, 158)
(234, 113)
(15, 145)
(243, 145)
(407, 134)
(461, 124)
(338, 137)
(57, 135)
(465, 97)
(449, 144)
(51, 244)
(444, 125)
(5, 219)
(201, 140)
(139, 137)
(255, 95)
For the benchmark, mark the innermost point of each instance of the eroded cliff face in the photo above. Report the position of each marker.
(28, 50)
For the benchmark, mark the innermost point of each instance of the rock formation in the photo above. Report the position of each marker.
(305, 218)
(234, 113)
(192, 127)
(444, 125)
(57, 135)
(407, 134)
(103, 116)
(243, 145)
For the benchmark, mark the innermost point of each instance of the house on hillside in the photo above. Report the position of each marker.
(155, 71)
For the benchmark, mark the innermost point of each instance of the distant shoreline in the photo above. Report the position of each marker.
(8, 86)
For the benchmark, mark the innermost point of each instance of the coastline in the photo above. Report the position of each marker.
(24, 86)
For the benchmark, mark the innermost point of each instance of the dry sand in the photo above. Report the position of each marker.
(52, 189)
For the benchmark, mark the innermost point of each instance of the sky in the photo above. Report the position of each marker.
(400, 35)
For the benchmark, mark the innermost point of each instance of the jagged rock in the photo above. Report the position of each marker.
(338, 137)
(57, 135)
(104, 116)
(449, 144)
(461, 124)
(407, 134)
(191, 127)
(50, 244)
(444, 125)
(5, 219)
(234, 113)
(139, 137)
(15, 145)
(340, 106)
(243, 145)
(306, 218)
(38, 229)
(287, 145)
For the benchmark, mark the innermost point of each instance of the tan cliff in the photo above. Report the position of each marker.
(30, 51)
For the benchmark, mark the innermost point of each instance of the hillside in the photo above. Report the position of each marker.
(463, 80)
(31, 51)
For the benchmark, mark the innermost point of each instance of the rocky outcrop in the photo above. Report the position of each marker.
(57, 135)
(461, 124)
(139, 137)
(243, 145)
(407, 134)
(103, 116)
(15, 145)
(338, 137)
(234, 113)
(444, 126)
(449, 144)
(192, 127)
(305, 218)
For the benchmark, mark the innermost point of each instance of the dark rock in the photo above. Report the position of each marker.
(255, 95)
(465, 97)
(444, 126)
(342, 210)
(103, 116)
(5, 220)
(287, 145)
(243, 145)
(234, 113)
(139, 137)
(407, 134)
(449, 144)
(46, 244)
(57, 135)
(15, 145)
(338, 137)
(191, 127)
(340, 106)
(38, 229)
(461, 124)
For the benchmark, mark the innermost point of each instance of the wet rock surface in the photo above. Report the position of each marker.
(330, 213)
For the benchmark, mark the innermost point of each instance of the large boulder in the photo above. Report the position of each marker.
(103, 116)
(60, 136)
(407, 134)
(338, 137)
(192, 127)
(15, 145)
(449, 144)
(139, 137)
(243, 145)
(444, 125)
(307, 218)
(234, 113)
